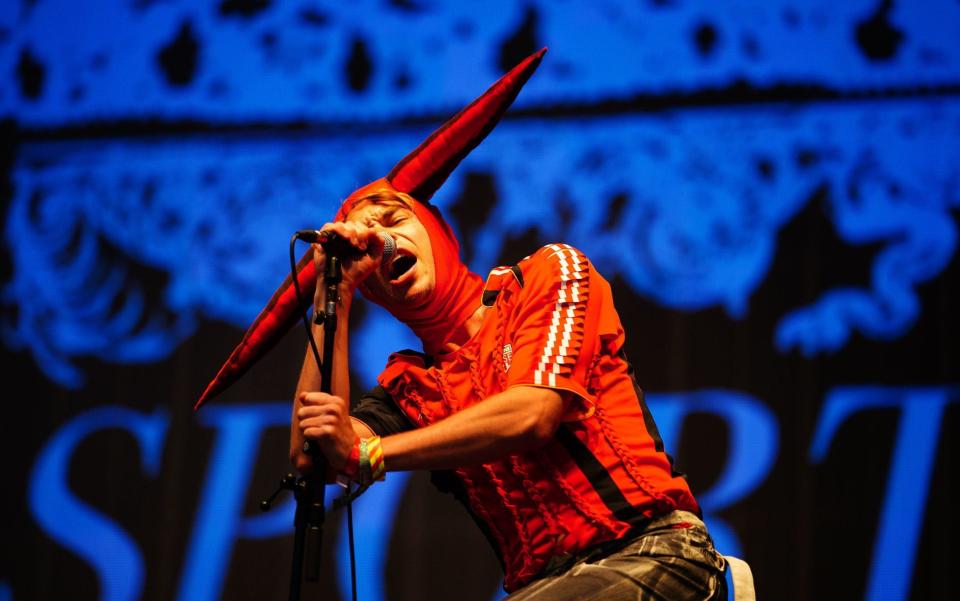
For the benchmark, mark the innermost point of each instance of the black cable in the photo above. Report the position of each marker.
(316, 357)
(296, 288)
(353, 563)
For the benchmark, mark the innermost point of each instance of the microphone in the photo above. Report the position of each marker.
(339, 246)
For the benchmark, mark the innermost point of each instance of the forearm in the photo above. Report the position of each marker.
(310, 379)
(518, 419)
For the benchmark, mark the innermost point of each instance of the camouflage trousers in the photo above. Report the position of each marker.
(672, 558)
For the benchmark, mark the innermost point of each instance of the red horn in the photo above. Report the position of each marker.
(423, 171)
(275, 320)
(419, 174)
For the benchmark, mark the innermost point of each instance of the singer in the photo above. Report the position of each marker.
(523, 394)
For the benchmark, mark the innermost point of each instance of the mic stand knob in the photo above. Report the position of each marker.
(288, 482)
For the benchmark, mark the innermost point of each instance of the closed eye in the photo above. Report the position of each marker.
(387, 217)
(394, 217)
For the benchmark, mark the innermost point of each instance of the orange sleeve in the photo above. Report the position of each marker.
(553, 330)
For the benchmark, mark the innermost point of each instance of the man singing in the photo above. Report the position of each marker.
(523, 394)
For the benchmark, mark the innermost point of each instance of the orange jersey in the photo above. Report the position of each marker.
(550, 322)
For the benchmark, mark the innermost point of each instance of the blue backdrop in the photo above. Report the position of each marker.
(771, 187)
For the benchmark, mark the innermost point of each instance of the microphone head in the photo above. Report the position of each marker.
(389, 247)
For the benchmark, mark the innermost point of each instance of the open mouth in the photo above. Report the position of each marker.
(401, 265)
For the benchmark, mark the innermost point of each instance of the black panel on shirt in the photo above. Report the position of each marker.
(377, 409)
(600, 478)
(648, 418)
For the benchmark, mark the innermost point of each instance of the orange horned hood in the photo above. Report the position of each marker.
(418, 174)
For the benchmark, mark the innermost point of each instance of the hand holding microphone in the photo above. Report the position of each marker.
(345, 247)
(362, 249)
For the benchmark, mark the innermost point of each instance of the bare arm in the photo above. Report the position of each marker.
(518, 419)
(310, 381)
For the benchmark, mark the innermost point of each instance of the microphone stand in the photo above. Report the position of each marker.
(310, 515)
(309, 490)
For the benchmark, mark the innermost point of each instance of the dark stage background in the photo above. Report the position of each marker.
(770, 186)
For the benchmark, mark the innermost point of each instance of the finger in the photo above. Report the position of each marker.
(321, 399)
(315, 395)
(313, 433)
(320, 432)
(319, 422)
(357, 234)
(343, 229)
(320, 410)
(308, 412)
(309, 408)
(374, 243)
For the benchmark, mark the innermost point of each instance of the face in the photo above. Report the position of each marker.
(409, 277)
